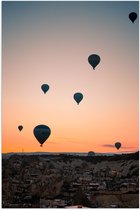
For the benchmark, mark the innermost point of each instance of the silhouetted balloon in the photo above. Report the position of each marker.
(91, 153)
(118, 145)
(41, 132)
(94, 60)
(78, 97)
(45, 88)
(133, 16)
(20, 127)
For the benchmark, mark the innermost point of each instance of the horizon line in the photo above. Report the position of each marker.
(77, 152)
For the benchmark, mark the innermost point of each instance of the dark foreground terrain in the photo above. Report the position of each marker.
(62, 181)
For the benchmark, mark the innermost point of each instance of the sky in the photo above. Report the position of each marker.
(49, 43)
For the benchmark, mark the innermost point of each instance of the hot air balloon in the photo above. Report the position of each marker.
(118, 145)
(133, 16)
(42, 132)
(78, 97)
(94, 60)
(45, 88)
(20, 127)
(91, 153)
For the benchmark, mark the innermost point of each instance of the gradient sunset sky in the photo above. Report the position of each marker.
(49, 42)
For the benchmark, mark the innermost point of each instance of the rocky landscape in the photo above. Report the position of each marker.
(61, 181)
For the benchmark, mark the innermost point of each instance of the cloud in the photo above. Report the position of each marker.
(59, 137)
(112, 146)
(127, 147)
(108, 145)
(69, 140)
(73, 142)
(78, 142)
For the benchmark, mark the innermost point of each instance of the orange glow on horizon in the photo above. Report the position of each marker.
(46, 44)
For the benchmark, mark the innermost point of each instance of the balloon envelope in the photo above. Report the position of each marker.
(94, 60)
(41, 132)
(20, 127)
(78, 97)
(91, 153)
(45, 88)
(118, 145)
(133, 16)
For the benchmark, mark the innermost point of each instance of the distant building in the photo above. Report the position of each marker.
(76, 206)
